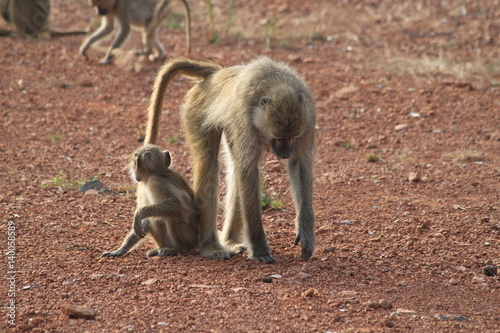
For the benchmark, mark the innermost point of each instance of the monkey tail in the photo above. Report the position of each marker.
(174, 67)
(188, 26)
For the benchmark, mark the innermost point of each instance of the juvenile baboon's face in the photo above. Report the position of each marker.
(148, 160)
(282, 119)
(103, 7)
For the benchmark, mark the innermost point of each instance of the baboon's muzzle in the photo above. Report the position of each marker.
(283, 148)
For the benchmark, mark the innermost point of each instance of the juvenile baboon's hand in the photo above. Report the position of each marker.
(138, 225)
(308, 244)
(116, 253)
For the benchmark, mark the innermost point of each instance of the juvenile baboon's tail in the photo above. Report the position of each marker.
(162, 6)
(172, 68)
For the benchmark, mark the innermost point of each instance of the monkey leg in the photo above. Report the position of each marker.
(231, 232)
(301, 179)
(249, 194)
(105, 29)
(163, 252)
(120, 37)
(204, 152)
(128, 243)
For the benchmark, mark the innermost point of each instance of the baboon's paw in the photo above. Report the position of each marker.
(265, 258)
(216, 251)
(112, 254)
(163, 252)
(236, 247)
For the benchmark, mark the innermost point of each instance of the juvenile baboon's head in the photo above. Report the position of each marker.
(148, 160)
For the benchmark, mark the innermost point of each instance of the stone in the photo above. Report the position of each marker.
(386, 304)
(76, 311)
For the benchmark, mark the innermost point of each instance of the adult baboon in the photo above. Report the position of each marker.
(263, 104)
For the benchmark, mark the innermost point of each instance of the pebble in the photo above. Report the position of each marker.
(75, 311)
(400, 127)
(490, 270)
(413, 177)
(371, 305)
(309, 293)
(478, 279)
(386, 304)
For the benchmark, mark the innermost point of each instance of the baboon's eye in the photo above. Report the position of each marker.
(264, 101)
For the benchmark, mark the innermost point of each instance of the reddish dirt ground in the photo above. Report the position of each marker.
(402, 88)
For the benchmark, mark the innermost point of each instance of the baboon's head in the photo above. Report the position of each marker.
(148, 160)
(282, 117)
(103, 7)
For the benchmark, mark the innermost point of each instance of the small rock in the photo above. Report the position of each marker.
(91, 192)
(453, 282)
(404, 311)
(458, 207)
(149, 282)
(309, 292)
(86, 83)
(460, 318)
(413, 177)
(75, 311)
(490, 270)
(385, 304)
(371, 305)
(477, 280)
(267, 279)
(276, 276)
(348, 293)
(388, 323)
(400, 127)
(443, 317)
(94, 184)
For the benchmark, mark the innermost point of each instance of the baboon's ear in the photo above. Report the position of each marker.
(264, 101)
(136, 160)
(168, 158)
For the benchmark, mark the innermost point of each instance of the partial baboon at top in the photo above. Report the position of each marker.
(29, 19)
(166, 207)
(148, 15)
(250, 108)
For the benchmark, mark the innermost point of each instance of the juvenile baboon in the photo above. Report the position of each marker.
(29, 18)
(263, 104)
(166, 206)
(145, 14)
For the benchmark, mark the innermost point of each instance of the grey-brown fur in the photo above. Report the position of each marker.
(251, 108)
(29, 19)
(145, 14)
(166, 206)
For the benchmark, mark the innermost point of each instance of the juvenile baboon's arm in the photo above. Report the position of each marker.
(169, 208)
(130, 241)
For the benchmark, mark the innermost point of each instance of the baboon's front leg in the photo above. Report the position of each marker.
(248, 182)
(301, 181)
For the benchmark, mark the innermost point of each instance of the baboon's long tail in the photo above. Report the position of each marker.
(174, 67)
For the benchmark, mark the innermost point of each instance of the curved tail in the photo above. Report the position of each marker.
(174, 67)
(188, 26)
